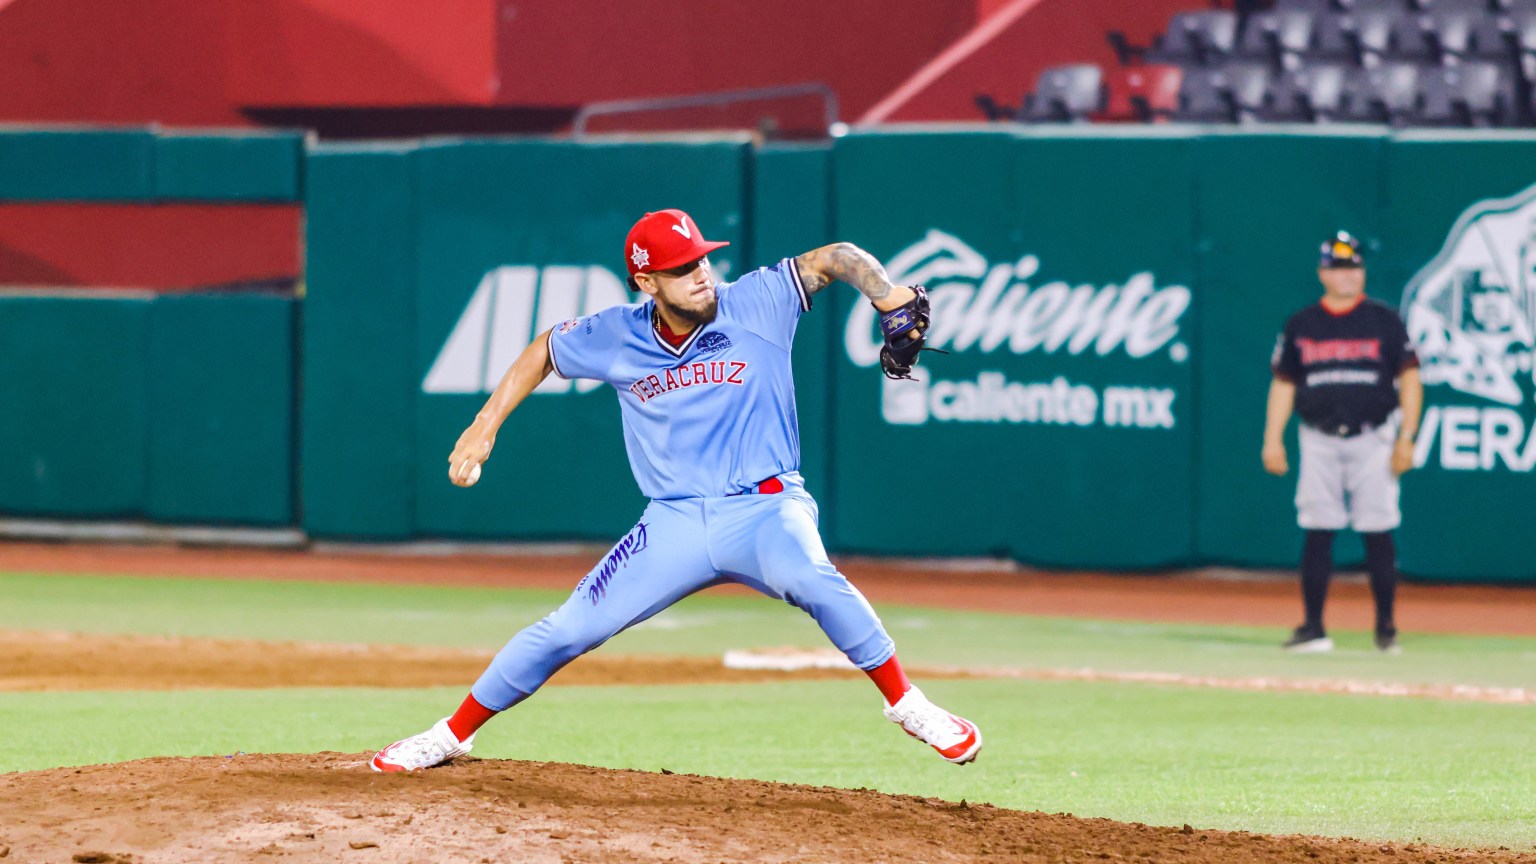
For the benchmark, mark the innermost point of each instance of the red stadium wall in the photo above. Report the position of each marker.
(157, 246)
(200, 62)
(561, 55)
(103, 61)
(378, 53)
(1003, 56)
(579, 51)
(203, 62)
(472, 66)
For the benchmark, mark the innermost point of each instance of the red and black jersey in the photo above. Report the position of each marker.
(1344, 365)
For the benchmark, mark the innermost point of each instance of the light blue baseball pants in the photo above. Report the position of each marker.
(680, 546)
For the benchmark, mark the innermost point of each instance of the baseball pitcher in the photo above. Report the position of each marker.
(702, 373)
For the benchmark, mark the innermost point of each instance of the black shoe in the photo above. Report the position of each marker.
(1308, 639)
(1386, 642)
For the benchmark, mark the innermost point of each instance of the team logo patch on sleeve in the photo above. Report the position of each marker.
(714, 341)
(569, 325)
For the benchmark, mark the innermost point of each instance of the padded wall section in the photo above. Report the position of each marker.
(74, 421)
(359, 323)
(246, 167)
(1266, 202)
(221, 410)
(63, 165)
(791, 215)
(1460, 225)
(1059, 429)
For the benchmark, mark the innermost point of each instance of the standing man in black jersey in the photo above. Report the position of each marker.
(1347, 367)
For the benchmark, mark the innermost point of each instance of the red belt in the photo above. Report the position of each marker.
(771, 486)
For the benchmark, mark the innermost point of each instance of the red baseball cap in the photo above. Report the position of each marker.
(663, 240)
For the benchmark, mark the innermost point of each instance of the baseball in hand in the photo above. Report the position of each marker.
(473, 475)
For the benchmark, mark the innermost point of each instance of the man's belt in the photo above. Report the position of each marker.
(771, 486)
(1343, 430)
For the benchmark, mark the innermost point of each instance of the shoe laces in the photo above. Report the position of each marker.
(932, 724)
(421, 750)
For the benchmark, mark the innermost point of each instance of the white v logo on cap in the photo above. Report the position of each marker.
(682, 228)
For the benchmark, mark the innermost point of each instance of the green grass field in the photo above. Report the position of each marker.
(1376, 768)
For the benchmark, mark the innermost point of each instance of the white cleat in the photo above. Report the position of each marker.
(1308, 640)
(955, 738)
(432, 747)
(1320, 645)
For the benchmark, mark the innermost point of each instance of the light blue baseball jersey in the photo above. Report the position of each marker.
(715, 415)
(703, 421)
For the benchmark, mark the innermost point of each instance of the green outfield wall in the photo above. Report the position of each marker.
(1233, 218)
(791, 214)
(1109, 299)
(176, 408)
(1459, 245)
(1265, 204)
(74, 406)
(357, 441)
(131, 405)
(139, 165)
(1060, 272)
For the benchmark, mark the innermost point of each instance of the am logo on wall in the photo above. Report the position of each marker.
(1471, 313)
(511, 306)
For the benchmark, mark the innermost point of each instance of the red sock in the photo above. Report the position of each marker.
(891, 680)
(469, 718)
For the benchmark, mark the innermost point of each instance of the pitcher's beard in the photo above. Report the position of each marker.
(696, 317)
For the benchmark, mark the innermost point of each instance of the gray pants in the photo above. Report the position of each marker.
(1348, 482)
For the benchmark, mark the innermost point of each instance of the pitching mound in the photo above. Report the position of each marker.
(329, 807)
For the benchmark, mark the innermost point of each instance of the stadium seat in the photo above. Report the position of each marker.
(1387, 93)
(1362, 39)
(1436, 37)
(1279, 38)
(1471, 7)
(1314, 7)
(1229, 94)
(1523, 26)
(1361, 7)
(1197, 39)
(1469, 95)
(1311, 94)
(1065, 94)
(1521, 35)
(1492, 38)
(1508, 39)
(993, 110)
(1141, 94)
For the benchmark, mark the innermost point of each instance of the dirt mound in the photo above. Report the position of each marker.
(329, 807)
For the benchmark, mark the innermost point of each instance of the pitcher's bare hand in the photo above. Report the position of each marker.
(473, 449)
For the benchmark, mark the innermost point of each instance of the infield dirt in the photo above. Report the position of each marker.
(1269, 602)
(33, 661)
(329, 807)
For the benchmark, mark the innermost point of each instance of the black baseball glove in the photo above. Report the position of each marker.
(905, 328)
